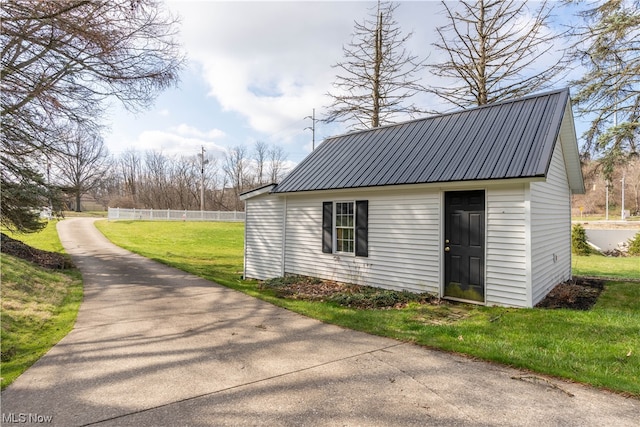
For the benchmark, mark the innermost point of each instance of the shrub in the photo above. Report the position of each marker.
(634, 245)
(579, 245)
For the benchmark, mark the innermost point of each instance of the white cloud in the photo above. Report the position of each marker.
(268, 61)
(172, 143)
(186, 130)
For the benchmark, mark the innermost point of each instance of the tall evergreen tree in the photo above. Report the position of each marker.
(608, 94)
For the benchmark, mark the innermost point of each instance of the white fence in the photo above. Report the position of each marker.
(173, 215)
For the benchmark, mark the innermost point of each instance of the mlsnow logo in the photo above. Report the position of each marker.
(23, 418)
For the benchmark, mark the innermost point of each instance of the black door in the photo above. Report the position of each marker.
(464, 245)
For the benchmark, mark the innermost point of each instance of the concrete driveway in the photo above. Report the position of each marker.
(157, 347)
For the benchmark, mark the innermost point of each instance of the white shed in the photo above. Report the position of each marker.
(472, 206)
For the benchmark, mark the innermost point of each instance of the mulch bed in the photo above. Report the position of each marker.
(581, 293)
(310, 289)
(50, 260)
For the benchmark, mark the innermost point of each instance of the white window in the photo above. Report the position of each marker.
(345, 227)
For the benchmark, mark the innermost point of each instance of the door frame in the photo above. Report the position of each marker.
(442, 245)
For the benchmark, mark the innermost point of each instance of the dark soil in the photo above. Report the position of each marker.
(50, 260)
(581, 293)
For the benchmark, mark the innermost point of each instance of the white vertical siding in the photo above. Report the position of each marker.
(263, 236)
(507, 277)
(550, 228)
(403, 240)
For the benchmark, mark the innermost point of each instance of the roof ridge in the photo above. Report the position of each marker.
(459, 111)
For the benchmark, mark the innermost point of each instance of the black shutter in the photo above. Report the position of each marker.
(327, 227)
(362, 228)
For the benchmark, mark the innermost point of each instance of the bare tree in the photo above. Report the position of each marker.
(130, 162)
(378, 75)
(277, 158)
(61, 60)
(183, 183)
(81, 164)
(109, 189)
(609, 92)
(155, 184)
(235, 167)
(494, 53)
(260, 152)
(211, 180)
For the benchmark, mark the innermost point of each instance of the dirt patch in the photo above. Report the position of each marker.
(46, 259)
(581, 293)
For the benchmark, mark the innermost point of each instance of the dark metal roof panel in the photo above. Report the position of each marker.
(389, 160)
(512, 139)
(542, 153)
(461, 144)
(485, 136)
(426, 155)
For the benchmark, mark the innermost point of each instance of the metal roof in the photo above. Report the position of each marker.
(511, 139)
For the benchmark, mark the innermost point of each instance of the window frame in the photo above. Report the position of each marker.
(352, 228)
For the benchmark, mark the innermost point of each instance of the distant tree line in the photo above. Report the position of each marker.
(151, 179)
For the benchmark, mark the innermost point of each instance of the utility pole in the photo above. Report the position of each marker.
(313, 129)
(202, 163)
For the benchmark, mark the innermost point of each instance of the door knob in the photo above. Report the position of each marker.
(447, 249)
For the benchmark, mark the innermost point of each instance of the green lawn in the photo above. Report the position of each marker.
(46, 239)
(598, 265)
(39, 306)
(600, 347)
(211, 249)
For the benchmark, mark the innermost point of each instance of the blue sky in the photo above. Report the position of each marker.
(256, 70)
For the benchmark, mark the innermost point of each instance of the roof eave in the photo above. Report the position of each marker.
(569, 144)
(257, 192)
(480, 183)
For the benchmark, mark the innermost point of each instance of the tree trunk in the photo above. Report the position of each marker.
(375, 118)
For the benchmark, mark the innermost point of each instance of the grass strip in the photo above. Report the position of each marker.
(610, 267)
(39, 307)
